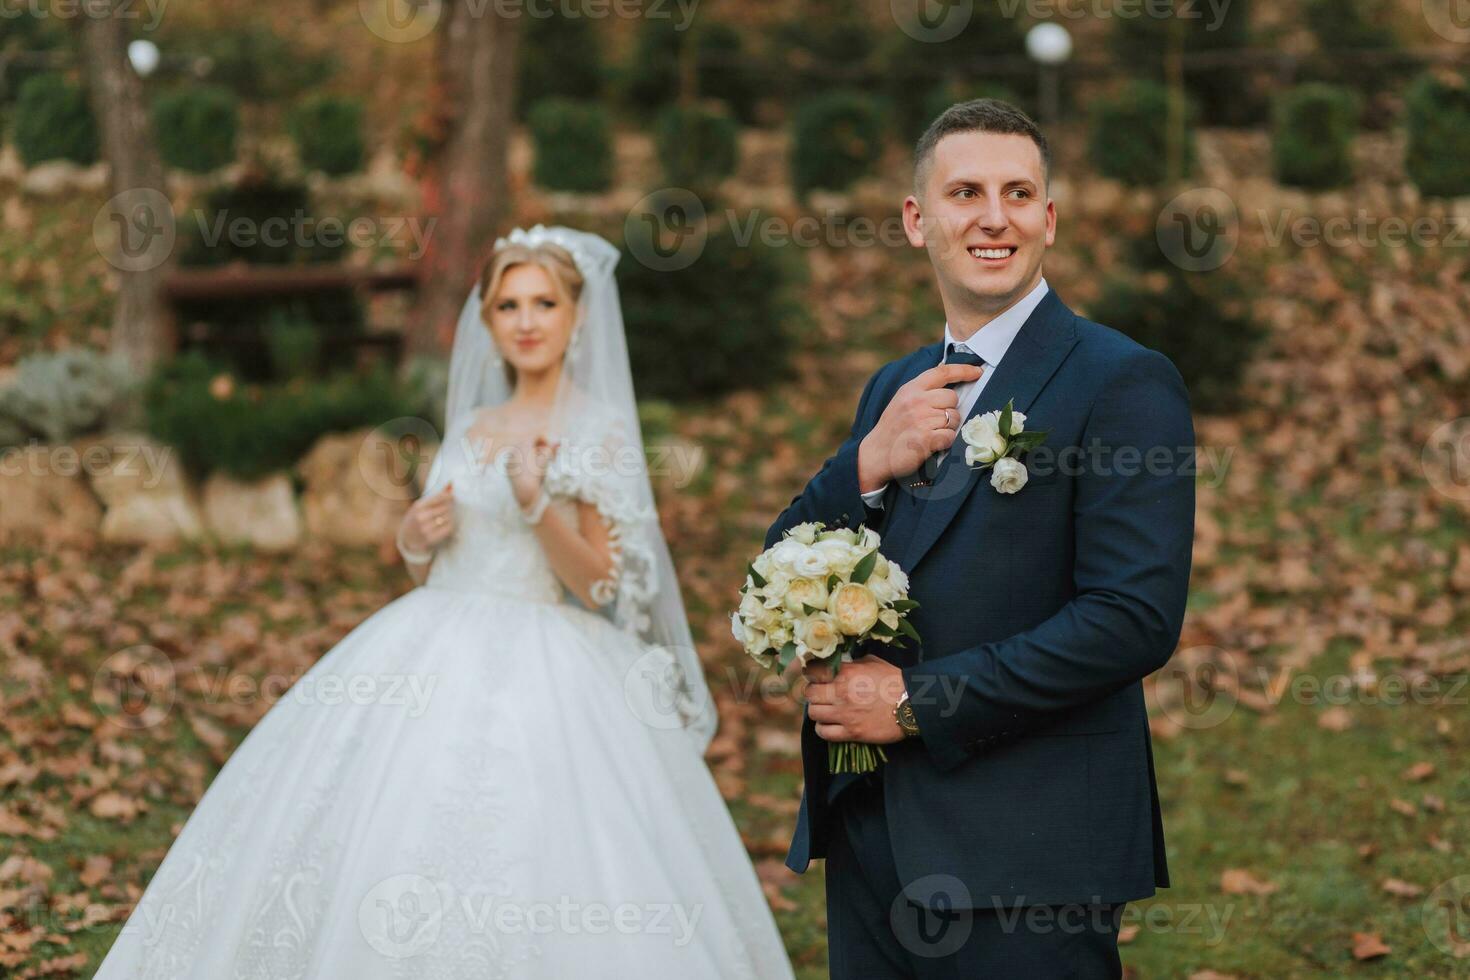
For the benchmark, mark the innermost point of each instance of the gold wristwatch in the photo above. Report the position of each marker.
(903, 713)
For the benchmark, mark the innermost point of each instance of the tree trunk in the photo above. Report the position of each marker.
(469, 180)
(141, 217)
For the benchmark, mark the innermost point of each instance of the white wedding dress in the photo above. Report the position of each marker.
(523, 815)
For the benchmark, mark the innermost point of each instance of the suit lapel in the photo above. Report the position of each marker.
(1043, 342)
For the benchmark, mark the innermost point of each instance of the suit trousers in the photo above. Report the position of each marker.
(875, 933)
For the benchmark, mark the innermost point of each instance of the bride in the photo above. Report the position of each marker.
(544, 810)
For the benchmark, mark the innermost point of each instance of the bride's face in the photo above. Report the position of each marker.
(529, 319)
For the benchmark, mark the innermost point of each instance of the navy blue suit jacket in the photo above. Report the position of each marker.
(1040, 612)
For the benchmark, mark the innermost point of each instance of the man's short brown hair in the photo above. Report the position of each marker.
(977, 116)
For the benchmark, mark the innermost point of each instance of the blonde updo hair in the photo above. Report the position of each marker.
(558, 263)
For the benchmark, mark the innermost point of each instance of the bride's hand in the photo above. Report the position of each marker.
(528, 469)
(431, 520)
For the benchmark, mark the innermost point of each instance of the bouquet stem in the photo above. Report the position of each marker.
(854, 757)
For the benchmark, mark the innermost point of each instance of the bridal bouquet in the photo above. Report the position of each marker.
(821, 593)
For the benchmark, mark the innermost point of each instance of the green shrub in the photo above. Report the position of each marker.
(698, 146)
(327, 131)
(55, 397)
(912, 70)
(196, 127)
(813, 38)
(218, 424)
(1129, 134)
(268, 210)
(1353, 27)
(573, 143)
(1200, 321)
(722, 68)
(1313, 141)
(837, 137)
(250, 59)
(29, 36)
(558, 56)
(295, 345)
(1437, 117)
(54, 122)
(1226, 95)
(720, 324)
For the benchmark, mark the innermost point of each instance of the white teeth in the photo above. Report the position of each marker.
(991, 253)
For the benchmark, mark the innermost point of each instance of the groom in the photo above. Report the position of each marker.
(1017, 812)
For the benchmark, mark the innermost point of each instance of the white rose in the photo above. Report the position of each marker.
(785, 552)
(779, 636)
(889, 618)
(983, 442)
(754, 612)
(805, 533)
(880, 568)
(754, 641)
(899, 579)
(1009, 475)
(806, 592)
(819, 634)
(854, 608)
(882, 590)
(763, 566)
(838, 555)
(844, 534)
(868, 539)
(776, 587)
(1018, 422)
(811, 563)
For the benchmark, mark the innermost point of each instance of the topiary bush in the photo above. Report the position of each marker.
(250, 59)
(722, 68)
(218, 424)
(698, 146)
(1200, 320)
(558, 56)
(722, 323)
(52, 121)
(1225, 94)
(1128, 134)
(836, 138)
(55, 397)
(573, 143)
(327, 130)
(1312, 145)
(1357, 27)
(196, 127)
(1437, 118)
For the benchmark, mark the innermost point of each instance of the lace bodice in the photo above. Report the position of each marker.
(493, 549)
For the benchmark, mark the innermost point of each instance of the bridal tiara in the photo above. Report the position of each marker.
(541, 235)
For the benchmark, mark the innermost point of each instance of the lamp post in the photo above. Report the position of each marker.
(1049, 45)
(143, 56)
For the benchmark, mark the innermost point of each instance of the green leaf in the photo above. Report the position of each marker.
(1005, 420)
(883, 629)
(864, 567)
(904, 605)
(907, 629)
(809, 608)
(832, 581)
(760, 583)
(788, 654)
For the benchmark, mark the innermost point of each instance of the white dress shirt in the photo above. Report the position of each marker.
(990, 342)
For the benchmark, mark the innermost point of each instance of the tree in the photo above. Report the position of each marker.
(468, 181)
(141, 329)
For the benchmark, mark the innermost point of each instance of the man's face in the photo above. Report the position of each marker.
(985, 219)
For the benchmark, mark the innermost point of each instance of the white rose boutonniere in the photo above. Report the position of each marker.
(996, 439)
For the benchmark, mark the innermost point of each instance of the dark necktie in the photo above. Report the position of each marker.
(952, 355)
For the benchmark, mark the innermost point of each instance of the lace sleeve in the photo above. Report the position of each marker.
(601, 471)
